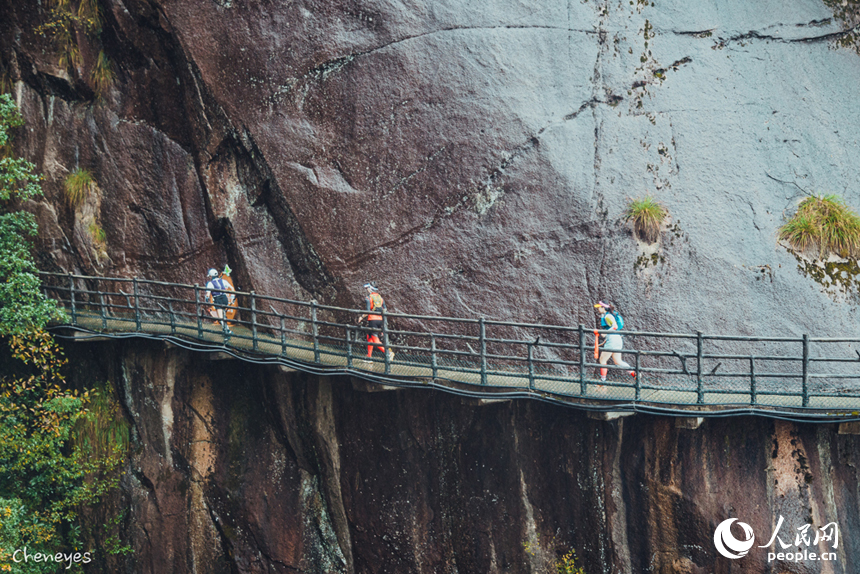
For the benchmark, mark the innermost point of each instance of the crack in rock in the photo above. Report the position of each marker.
(322, 71)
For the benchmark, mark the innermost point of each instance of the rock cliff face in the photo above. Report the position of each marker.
(473, 159)
(246, 469)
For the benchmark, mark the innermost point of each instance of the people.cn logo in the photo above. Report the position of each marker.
(728, 545)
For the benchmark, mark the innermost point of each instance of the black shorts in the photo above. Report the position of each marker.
(375, 327)
(221, 300)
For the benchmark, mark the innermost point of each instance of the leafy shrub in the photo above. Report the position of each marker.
(78, 185)
(23, 305)
(54, 459)
(647, 215)
(549, 561)
(825, 224)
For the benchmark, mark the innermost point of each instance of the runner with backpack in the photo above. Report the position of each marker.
(611, 320)
(219, 299)
(374, 303)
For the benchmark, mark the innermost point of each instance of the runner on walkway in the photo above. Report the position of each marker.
(373, 304)
(219, 299)
(610, 320)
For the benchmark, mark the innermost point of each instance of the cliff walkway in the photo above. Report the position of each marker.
(688, 374)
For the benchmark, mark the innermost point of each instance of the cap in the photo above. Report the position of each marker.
(370, 286)
(212, 273)
(601, 305)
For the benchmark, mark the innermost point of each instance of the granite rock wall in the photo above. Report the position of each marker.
(243, 468)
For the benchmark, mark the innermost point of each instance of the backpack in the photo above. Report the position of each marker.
(619, 320)
(376, 301)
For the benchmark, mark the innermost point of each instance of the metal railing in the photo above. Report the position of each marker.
(482, 357)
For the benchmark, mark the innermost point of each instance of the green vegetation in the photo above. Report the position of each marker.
(97, 233)
(102, 431)
(59, 449)
(78, 186)
(48, 471)
(65, 20)
(549, 562)
(23, 307)
(68, 20)
(848, 11)
(647, 216)
(102, 75)
(823, 224)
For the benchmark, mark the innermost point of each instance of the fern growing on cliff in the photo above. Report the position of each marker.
(647, 215)
(824, 224)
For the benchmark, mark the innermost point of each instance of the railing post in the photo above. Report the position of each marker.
(700, 391)
(136, 304)
(638, 383)
(348, 330)
(315, 330)
(253, 320)
(198, 311)
(104, 311)
(172, 318)
(805, 370)
(531, 368)
(385, 342)
(753, 389)
(483, 341)
(434, 366)
(283, 337)
(72, 299)
(582, 383)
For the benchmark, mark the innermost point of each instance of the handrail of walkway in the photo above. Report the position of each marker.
(694, 374)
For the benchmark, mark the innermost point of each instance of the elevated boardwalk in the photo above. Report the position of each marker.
(690, 375)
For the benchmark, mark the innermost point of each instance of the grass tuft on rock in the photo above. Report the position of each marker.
(647, 215)
(823, 223)
(102, 75)
(78, 185)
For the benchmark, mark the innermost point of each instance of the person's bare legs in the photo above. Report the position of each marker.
(616, 358)
(604, 358)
